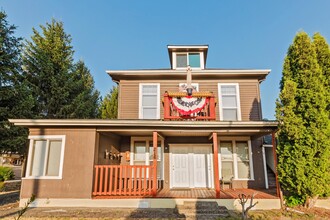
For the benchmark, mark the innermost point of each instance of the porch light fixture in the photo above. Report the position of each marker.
(189, 79)
(127, 156)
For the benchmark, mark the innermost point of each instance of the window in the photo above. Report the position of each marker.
(182, 60)
(149, 101)
(143, 153)
(235, 160)
(229, 102)
(243, 164)
(227, 160)
(183, 87)
(45, 157)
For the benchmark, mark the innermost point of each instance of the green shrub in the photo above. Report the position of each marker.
(2, 185)
(294, 200)
(6, 173)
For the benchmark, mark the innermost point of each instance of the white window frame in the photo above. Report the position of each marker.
(235, 157)
(47, 138)
(192, 84)
(140, 99)
(238, 101)
(147, 161)
(201, 56)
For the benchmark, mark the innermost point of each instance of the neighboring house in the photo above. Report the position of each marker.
(163, 144)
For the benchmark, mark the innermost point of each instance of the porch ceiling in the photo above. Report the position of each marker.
(166, 128)
(185, 132)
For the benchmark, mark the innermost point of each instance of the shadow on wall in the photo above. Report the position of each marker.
(255, 111)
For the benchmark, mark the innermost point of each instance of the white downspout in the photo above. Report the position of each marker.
(265, 167)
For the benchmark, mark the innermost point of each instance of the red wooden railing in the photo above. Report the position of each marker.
(207, 113)
(124, 180)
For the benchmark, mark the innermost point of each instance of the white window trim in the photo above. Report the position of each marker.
(192, 84)
(140, 99)
(201, 55)
(29, 162)
(235, 159)
(147, 161)
(239, 117)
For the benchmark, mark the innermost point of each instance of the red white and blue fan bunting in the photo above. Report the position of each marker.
(188, 105)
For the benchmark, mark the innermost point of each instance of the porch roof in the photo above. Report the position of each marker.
(166, 128)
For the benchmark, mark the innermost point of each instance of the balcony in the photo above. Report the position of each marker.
(200, 106)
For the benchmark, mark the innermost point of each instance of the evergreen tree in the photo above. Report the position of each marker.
(84, 95)
(323, 57)
(303, 149)
(15, 99)
(61, 88)
(109, 106)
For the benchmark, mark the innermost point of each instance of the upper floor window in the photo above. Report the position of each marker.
(194, 60)
(149, 101)
(45, 157)
(230, 109)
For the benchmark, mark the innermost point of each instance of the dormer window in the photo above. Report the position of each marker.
(185, 59)
(182, 56)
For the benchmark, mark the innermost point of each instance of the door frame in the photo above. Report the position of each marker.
(210, 172)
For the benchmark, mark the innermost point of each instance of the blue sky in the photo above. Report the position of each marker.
(134, 34)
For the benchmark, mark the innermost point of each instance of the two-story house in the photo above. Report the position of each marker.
(186, 132)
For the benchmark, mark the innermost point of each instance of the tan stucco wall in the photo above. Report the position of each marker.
(78, 167)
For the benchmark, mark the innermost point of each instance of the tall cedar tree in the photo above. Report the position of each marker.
(52, 75)
(304, 142)
(15, 99)
(323, 57)
(109, 106)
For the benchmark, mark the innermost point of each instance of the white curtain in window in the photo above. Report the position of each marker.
(140, 151)
(54, 158)
(39, 155)
(243, 163)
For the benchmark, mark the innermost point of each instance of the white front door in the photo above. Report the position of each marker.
(180, 167)
(200, 166)
(191, 166)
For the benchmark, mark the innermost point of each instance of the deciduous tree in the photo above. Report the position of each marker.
(109, 106)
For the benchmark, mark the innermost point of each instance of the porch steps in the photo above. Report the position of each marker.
(271, 178)
(202, 210)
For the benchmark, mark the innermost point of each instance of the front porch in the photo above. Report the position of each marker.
(153, 177)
